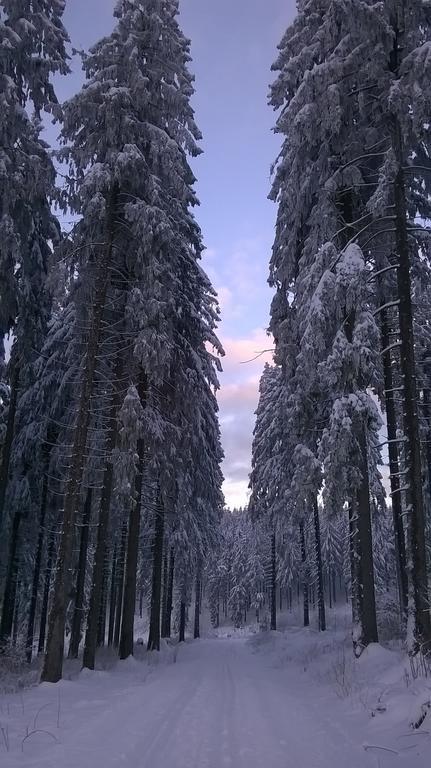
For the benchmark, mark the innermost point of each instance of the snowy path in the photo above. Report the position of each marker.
(219, 706)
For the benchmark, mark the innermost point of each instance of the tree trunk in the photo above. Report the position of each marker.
(45, 598)
(196, 631)
(16, 614)
(273, 583)
(154, 634)
(7, 446)
(170, 594)
(75, 635)
(394, 465)
(112, 599)
(367, 627)
(6, 625)
(418, 600)
(361, 551)
(318, 550)
(182, 632)
(91, 635)
(128, 621)
(427, 416)
(165, 591)
(120, 585)
(330, 587)
(354, 562)
(37, 566)
(101, 624)
(53, 666)
(304, 576)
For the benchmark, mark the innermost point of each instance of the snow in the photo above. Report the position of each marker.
(244, 699)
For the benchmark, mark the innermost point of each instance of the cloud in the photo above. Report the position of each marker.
(238, 399)
(245, 357)
(225, 297)
(239, 272)
(236, 396)
(236, 493)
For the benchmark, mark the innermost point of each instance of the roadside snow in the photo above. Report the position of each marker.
(374, 700)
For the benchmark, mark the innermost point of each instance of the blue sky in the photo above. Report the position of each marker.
(233, 46)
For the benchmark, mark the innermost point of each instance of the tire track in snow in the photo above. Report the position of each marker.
(219, 706)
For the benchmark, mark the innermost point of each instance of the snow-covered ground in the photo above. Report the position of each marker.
(293, 699)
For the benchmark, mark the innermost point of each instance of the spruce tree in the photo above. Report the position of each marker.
(32, 50)
(352, 94)
(136, 249)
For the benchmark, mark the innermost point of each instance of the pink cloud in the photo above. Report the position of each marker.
(238, 399)
(240, 275)
(246, 352)
(232, 396)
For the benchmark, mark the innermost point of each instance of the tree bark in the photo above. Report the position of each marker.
(418, 598)
(120, 585)
(37, 566)
(7, 447)
(53, 666)
(394, 465)
(45, 598)
(112, 599)
(128, 620)
(330, 587)
(101, 624)
(165, 591)
(75, 635)
(318, 551)
(361, 542)
(354, 562)
(365, 567)
(427, 416)
(170, 594)
(197, 630)
(304, 579)
(154, 634)
(182, 631)
(6, 624)
(16, 614)
(273, 583)
(91, 635)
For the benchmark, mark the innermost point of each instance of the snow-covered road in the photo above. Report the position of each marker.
(222, 706)
(219, 705)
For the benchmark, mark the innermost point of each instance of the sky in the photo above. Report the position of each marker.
(233, 44)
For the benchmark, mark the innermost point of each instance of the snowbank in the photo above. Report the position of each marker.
(383, 693)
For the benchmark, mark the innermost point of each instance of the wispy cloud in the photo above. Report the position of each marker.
(245, 357)
(238, 400)
(239, 274)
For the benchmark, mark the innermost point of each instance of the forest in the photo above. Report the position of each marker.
(114, 530)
